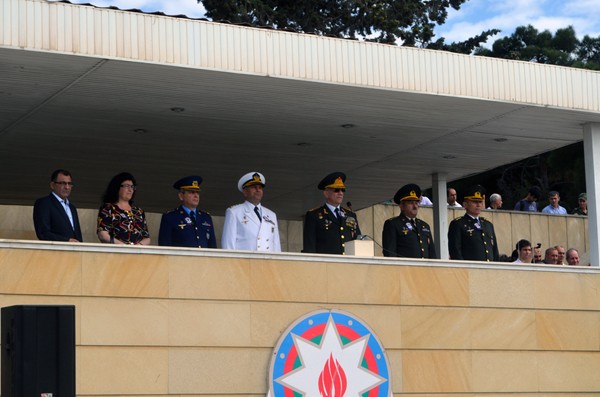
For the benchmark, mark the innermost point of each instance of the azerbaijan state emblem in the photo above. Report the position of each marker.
(329, 353)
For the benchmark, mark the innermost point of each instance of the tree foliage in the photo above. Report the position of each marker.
(408, 22)
(561, 48)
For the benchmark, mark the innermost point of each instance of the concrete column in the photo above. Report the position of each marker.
(591, 150)
(440, 214)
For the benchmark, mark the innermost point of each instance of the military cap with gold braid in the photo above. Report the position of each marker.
(335, 180)
(189, 183)
(250, 179)
(475, 193)
(410, 192)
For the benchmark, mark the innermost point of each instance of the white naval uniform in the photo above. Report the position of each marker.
(243, 231)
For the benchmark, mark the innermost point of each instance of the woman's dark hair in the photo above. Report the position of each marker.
(111, 195)
(522, 244)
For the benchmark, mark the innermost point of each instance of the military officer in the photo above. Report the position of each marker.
(472, 237)
(406, 235)
(329, 227)
(186, 226)
(250, 225)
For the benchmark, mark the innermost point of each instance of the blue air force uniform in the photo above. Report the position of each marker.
(177, 229)
(187, 227)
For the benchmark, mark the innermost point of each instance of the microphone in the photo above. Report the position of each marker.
(349, 204)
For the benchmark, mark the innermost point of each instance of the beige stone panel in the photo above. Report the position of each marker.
(295, 238)
(540, 232)
(501, 288)
(503, 227)
(283, 234)
(426, 214)
(276, 280)
(153, 220)
(497, 371)
(374, 284)
(88, 220)
(568, 330)
(520, 228)
(557, 229)
(503, 329)
(430, 371)
(219, 370)
(365, 219)
(269, 320)
(434, 286)
(384, 321)
(209, 277)
(40, 272)
(206, 323)
(122, 370)
(132, 275)
(16, 222)
(575, 233)
(395, 363)
(14, 300)
(130, 322)
(569, 372)
(562, 290)
(435, 328)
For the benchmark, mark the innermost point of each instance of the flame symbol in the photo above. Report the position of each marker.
(332, 380)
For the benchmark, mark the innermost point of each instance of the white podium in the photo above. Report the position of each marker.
(360, 248)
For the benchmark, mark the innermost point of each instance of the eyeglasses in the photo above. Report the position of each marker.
(339, 190)
(63, 183)
(127, 186)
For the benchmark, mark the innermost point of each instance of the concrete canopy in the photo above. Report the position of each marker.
(106, 92)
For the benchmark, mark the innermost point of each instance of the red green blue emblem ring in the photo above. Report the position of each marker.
(329, 353)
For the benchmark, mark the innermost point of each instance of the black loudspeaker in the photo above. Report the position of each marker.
(38, 351)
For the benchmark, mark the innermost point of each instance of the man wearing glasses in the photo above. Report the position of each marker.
(329, 227)
(54, 216)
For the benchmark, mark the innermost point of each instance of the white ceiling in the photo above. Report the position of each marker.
(84, 114)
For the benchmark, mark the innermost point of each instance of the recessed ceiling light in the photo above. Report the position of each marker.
(303, 144)
(449, 156)
(140, 131)
(178, 109)
(501, 139)
(347, 126)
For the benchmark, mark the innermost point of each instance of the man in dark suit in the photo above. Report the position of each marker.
(406, 235)
(472, 237)
(328, 228)
(186, 226)
(54, 216)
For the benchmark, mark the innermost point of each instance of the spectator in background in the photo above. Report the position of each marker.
(560, 250)
(582, 208)
(551, 256)
(452, 198)
(529, 203)
(495, 202)
(554, 208)
(572, 257)
(524, 252)
(424, 200)
(537, 254)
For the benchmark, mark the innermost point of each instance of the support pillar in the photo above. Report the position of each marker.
(440, 214)
(591, 150)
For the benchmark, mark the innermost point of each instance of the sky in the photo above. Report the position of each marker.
(473, 17)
